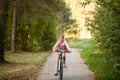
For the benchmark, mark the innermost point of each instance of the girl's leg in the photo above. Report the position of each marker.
(57, 63)
(64, 58)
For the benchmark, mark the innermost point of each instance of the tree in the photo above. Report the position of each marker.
(13, 41)
(3, 26)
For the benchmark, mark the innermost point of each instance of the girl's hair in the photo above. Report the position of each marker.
(62, 36)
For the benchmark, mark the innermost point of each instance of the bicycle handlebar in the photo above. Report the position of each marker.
(63, 51)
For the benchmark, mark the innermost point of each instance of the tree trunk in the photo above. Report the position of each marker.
(13, 41)
(3, 26)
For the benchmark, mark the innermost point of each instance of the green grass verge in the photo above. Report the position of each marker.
(96, 61)
(80, 43)
(22, 66)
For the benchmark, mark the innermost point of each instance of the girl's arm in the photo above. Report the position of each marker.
(55, 46)
(66, 44)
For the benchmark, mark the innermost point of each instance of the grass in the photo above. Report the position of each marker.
(96, 61)
(80, 43)
(22, 66)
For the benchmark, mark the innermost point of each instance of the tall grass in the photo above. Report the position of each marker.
(95, 60)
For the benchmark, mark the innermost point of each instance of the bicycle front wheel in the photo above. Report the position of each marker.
(61, 71)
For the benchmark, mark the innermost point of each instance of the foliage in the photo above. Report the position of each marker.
(72, 28)
(50, 36)
(105, 29)
(112, 5)
(37, 23)
(86, 2)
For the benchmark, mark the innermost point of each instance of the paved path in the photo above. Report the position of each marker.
(77, 69)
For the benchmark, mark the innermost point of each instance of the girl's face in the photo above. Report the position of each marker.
(61, 39)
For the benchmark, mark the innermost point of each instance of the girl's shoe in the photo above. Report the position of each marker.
(56, 74)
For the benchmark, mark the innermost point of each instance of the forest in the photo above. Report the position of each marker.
(31, 25)
(34, 25)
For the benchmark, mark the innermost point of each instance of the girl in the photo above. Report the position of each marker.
(61, 43)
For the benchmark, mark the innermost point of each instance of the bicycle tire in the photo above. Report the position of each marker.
(60, 71)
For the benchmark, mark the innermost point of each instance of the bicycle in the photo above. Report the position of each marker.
(61, 64)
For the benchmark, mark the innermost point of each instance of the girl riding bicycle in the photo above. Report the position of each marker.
(61, 43)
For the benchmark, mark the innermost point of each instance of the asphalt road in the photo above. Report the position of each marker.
(77, 69)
